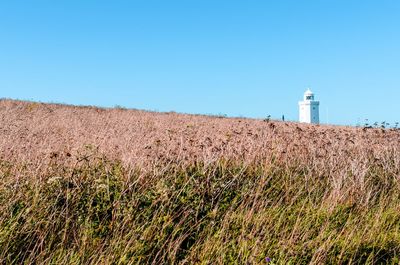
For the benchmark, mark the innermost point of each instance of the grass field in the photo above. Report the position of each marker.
(85, 185)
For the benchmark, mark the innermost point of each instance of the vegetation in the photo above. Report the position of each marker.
(274, 193)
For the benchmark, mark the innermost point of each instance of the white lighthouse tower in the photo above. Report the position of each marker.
(309, 108)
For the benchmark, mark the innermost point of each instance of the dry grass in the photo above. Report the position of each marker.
(33, 131)
(88, 185)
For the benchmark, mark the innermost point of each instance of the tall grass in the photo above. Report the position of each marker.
(225, 212)
(96, 186)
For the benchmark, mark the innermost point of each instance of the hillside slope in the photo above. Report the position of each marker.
(34, 131)
(87, 185)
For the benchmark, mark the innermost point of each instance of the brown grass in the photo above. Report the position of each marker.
(216, 190)
(33, 131)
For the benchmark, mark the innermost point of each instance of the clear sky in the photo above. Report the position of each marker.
(241, 58)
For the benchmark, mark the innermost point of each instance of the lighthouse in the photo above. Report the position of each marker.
(309, 108)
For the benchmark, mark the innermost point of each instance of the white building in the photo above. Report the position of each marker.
(309, 108)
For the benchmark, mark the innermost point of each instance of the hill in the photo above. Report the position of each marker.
(91, 185)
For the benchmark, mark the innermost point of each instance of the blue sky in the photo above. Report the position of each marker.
(240, 58)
